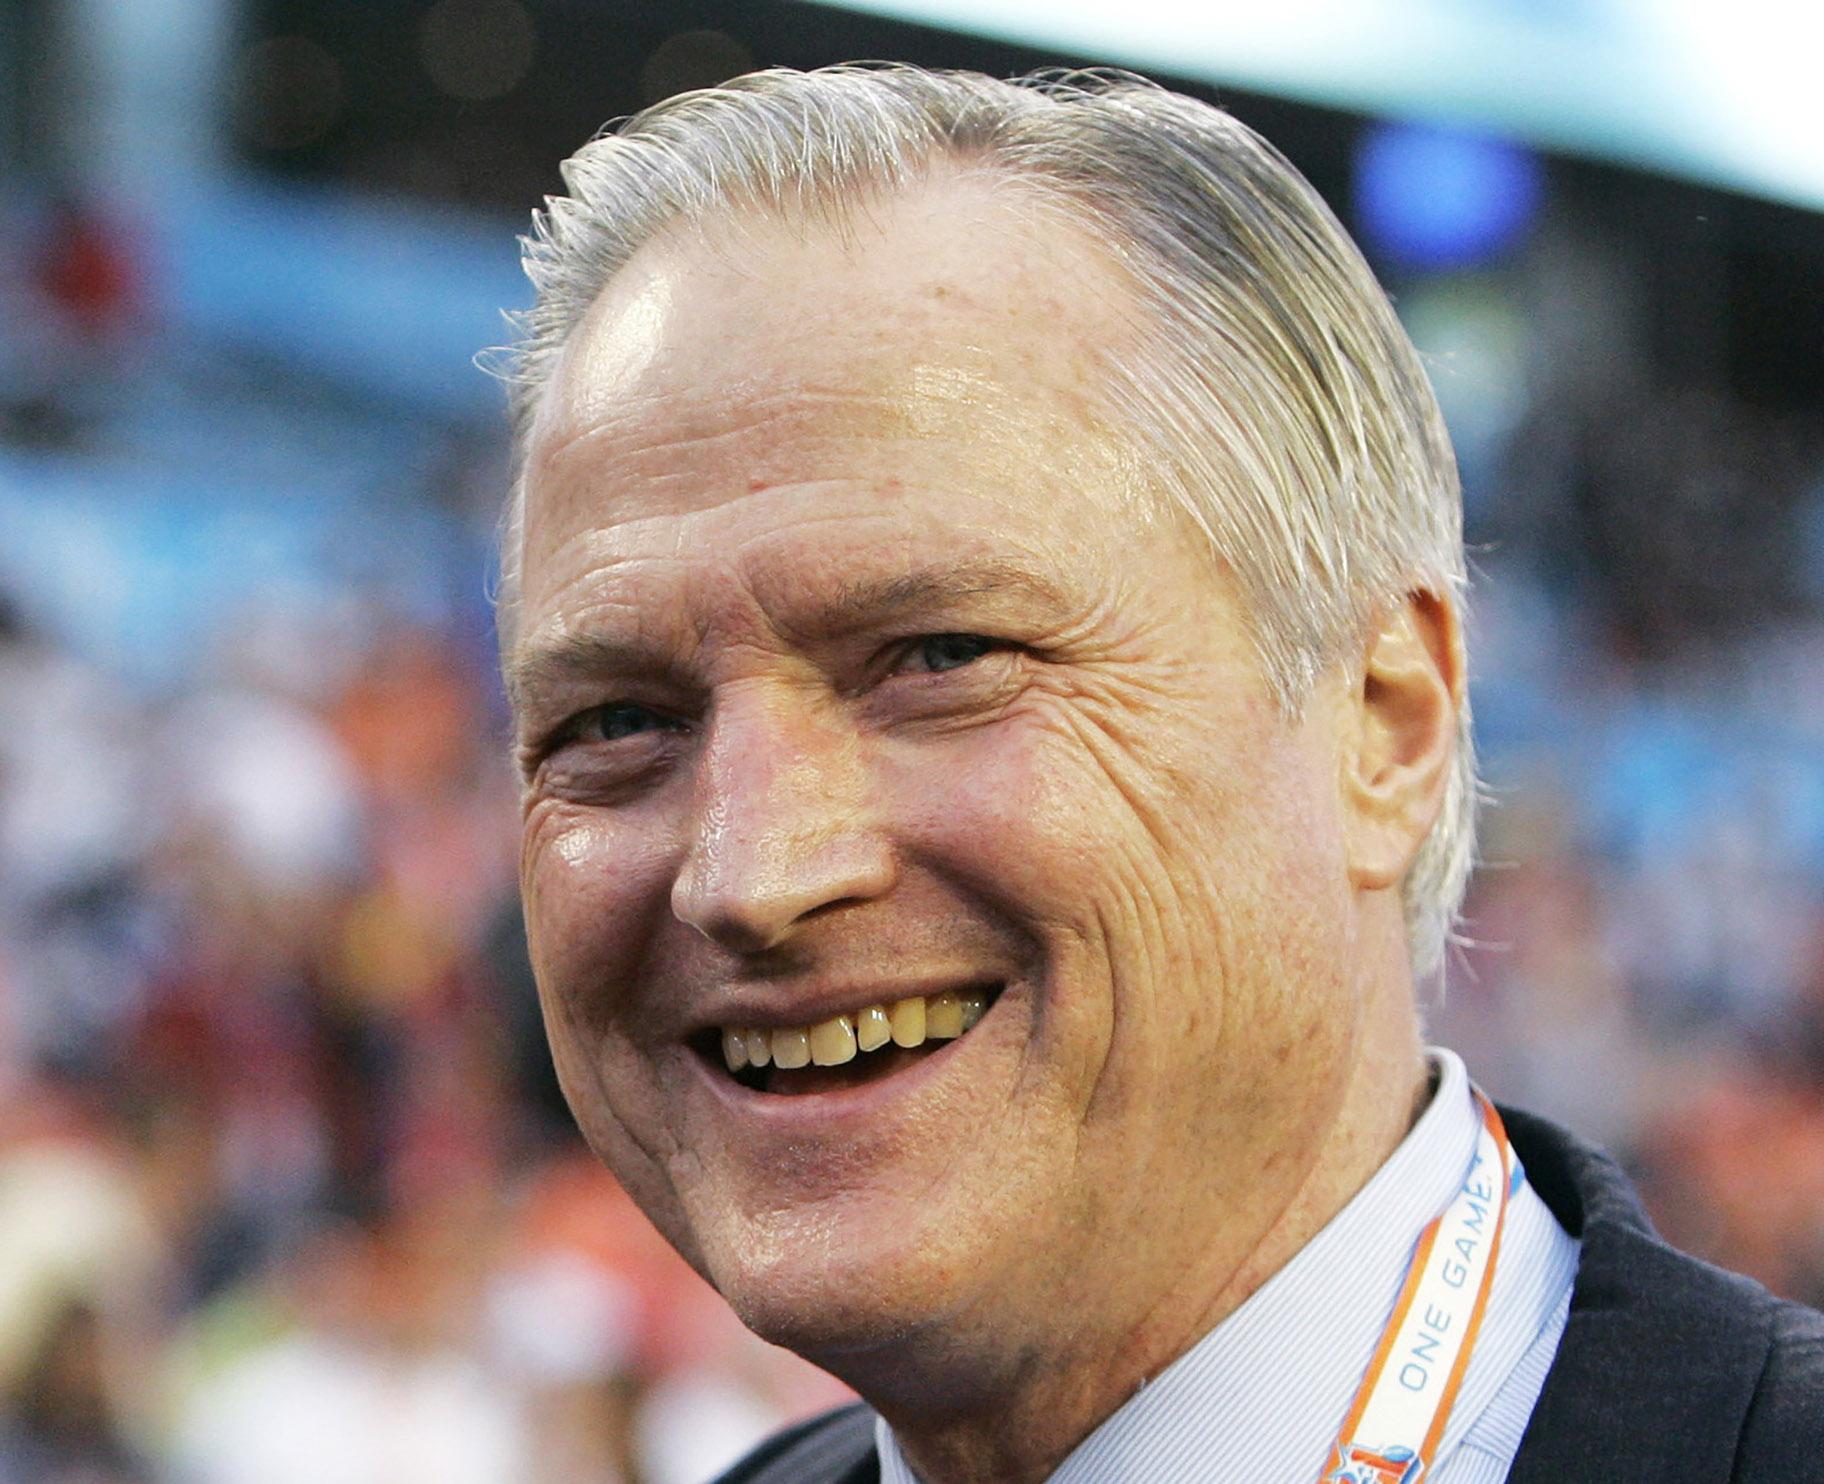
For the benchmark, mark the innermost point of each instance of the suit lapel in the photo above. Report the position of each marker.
(1659, 1357)
(865, 1471)
(837, 1448)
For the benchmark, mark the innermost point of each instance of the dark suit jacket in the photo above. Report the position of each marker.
(1670, 1371)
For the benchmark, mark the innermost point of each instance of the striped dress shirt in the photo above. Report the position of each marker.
(1260, 1398)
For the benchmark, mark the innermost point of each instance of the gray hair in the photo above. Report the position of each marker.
(1275, 394)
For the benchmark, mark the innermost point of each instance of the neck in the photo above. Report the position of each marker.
(1053, 1402)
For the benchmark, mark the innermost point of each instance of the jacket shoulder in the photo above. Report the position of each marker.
(1668, 1368)
(836, 1448)
(1783, 1437)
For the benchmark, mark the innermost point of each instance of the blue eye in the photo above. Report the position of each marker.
(941, 652)
(625, 719)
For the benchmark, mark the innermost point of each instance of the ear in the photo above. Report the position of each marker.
(1411, 693)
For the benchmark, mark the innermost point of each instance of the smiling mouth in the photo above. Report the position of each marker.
(845, 1050)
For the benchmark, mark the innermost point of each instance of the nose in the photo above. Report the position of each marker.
(784, 824)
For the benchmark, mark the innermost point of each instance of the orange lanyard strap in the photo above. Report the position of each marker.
(1397, 1420)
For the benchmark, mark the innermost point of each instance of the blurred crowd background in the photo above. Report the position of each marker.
(287, 1191)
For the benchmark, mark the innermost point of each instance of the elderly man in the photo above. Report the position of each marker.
(981, 606)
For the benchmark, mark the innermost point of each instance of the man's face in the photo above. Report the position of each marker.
(856, 664)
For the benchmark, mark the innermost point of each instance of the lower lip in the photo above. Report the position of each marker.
(798, 1111)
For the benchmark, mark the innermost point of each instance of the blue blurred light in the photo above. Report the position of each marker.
(1434, 198)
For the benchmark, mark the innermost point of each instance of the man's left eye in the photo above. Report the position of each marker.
(937, 653)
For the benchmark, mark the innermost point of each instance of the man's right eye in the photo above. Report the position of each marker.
(619, 720)
(602, 754)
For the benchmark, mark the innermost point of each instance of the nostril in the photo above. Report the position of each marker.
(762, 864)
(757, 924)
(738, 932)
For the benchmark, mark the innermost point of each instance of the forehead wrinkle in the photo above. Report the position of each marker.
(639, 477)
(706, 417)
(593, 619)
(754, 420)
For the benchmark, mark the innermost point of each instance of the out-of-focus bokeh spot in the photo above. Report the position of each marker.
(692, 59)
(477, 49)
(1438, 198)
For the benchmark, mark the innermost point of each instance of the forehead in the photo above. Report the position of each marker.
(943, 348)
(959, 276)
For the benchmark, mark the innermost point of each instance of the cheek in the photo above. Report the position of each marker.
(593, 887)
(594, 890)
(1042, 822)
(1014, 815)
(1149, 853)
(1079, 815)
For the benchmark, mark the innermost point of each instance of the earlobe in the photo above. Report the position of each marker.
(1411, 694)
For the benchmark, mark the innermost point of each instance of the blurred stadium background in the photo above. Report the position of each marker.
(286, 1189)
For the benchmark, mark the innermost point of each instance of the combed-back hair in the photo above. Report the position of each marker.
(1270, 386)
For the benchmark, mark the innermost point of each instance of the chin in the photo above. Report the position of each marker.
(838, 1331)
(828, 1291)
(838, 1320)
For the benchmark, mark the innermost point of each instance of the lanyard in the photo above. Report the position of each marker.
(1393, 1428)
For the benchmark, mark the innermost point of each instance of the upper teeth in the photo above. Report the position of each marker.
(829, 1043)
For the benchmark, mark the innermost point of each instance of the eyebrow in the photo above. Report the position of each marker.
(856, 603)
(566, 658)
(869, 600)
